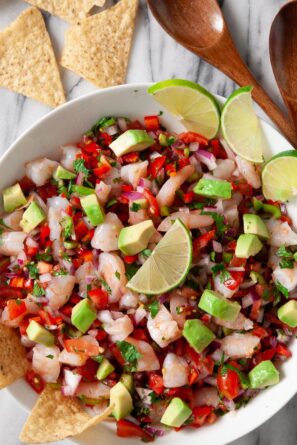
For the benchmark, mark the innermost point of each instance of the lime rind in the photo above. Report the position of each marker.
(279, 176)
(160, 273)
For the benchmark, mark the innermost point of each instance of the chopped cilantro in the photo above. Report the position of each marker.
(33, 270)
(37, 290)
(284, 252)
(196, 205)
(118, 275)
(218, 268)
(224, 276)
(242, 376)
(111, 203)
(117, 180)
(66, 257)
(135, 207)
(50, 356)
(219, 220)
(146, 252)
(130, 354)
(60, 272)
(131, 270)
(154, 308)
(100, 123)
(98, 358)
(46, 256)
(286, 264)
(18, 301)
(79, 166)
(283, 290)
(212, 256)
(105, 285)
(155, 398)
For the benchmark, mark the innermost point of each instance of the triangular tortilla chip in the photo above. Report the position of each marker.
(27, 61)
(55, 417)
(72, 11)
(98, 49)
(13, 361)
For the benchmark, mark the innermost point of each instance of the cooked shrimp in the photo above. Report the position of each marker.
(56, 207)
(249, 171)
(72, 358)
(287, 277)
(12, 220)
(192, 220)
(96, 390)
(106, 234)
(59, 290)
(220, 287)
(45, 362)
(131, 173)
(137, 217)
(166, 195)
(40, 170)
(177, 304)
(117, 325)
(113, 178)
(129, 299)
(12, 243)
(273, 259)
(280, 233)
(148, 361)
(175, 371)
(208, 396)
(163, 328)
(240, 345)
(112, 270)
(230, 212)
(102, 191)
(87, 269)
(69, 154)
(241, 323)
(224, 169)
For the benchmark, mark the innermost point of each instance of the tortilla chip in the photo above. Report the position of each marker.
(72, 11)
(99, 48)
(27, 61)
(13, 361)
(55, 417)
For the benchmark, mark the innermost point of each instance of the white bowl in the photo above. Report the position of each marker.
(66, 125)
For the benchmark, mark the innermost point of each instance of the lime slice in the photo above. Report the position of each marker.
(241, 126)
(279, 176)
(194, 106)
(168, 265)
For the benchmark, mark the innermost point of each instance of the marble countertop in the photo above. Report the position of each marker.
(154, 56)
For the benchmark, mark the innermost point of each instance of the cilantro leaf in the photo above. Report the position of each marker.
(33, 270)
(286, 264)
(79, 166)
(131, 270)
(284, 252)
(154, 308)
(146, 252)
(105, 285)
(218, 268)
(219, 220)
(130, 354)
(60, 272)
(224, 276)
(283, 290)
(46, 256)
(37, 290)
(117, 274)
(135, 207)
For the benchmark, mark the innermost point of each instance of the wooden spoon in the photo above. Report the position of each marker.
(199, 25)
(283, 55)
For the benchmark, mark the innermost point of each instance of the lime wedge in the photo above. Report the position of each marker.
(279, 176)
(194, 106)
(168, 265)
(241, 126)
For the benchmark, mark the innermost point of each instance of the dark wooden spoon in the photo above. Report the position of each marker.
(199, 25)
(283, 55)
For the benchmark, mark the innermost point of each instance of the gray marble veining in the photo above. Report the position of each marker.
(154, 56)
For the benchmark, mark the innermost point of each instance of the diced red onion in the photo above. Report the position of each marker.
(249, 299)
(227, 149)
(152, 134)
(210, 380)
(27, 342)
(178, 144)
(79, 178)
(31, 242)
(20, 262)
(38, 299)
(155, 188)
(163, 298)
(247, 284)
(45, 277)
(260, 315)
(93, 332)
(132, 196)
(229, 404)
(251, 393)
(13, 274)
(194, 146)
(144, 183)
(217, 247)
(122, 123)
(206, 158)
(111, 130)
(155, 155)
(68, 266)
(70, 383)
(204, 261)
(184, 209)
(218, 355)
(89, 279)
(155, 432)
(194, 161)
(272, 342)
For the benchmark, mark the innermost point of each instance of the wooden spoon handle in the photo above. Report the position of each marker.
(292, 107)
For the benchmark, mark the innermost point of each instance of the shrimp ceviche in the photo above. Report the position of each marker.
(80, 280)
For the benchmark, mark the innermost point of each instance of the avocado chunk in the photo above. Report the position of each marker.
(70, 244)
(176, 413)
(39, 334)
(197, 334)
(105, 368)
(127, 380)
(83, 315)
(62, 173)
(134, 239)
(13, 198)
(287, 313)
(81, 190)
(213, 188)
(248, 245)
(216, 305)
(255, 225)
(264, 374)
(67, 226)
(93, 210)
(32, 217)
(131, 140)
(121, 399)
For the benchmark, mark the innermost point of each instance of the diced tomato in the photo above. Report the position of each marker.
(130, 259)
(87, 238)
(265, 355)
(140, 334)
(130, 158)
(127, 188)
(30, 251)
(193, 376)
(217, 149)
(185, 393)
(99, 298)
(231, 246)
(236, 278)
(188, 197)
(192, 355)
(153, 203)
(260, 332)
(4, 263)
(88, 370)
(117, 354)
(90, 147)
(9, 292)
(237, 262)
(35, 381)
(155, 166)
(202, 241)
(47, 191)
(16, 308)
(48, 320)
(44, 235)
(156, 383)
(101, 170)
(77, 262)
(125, 428)
(75, 202)
(23, 326)
(183, 161)
(151, 123)
(86, 255)
(228, 383)
(286, 218)
(170, 169)
(26, 184)
(200, 414)
(134, 125)
(17, 282)
(190, 136)
(101, 335)
(81, 229)
(283, 350)
(244, 188)
(81, 346)
(255, 309)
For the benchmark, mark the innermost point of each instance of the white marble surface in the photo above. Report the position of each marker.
(155, 56)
